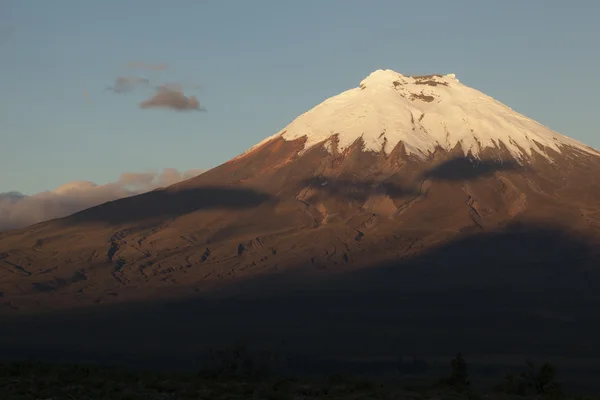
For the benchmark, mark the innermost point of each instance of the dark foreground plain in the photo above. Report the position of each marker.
(237, 373)
(482, 295)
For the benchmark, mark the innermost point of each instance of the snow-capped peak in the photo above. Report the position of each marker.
(423, 112)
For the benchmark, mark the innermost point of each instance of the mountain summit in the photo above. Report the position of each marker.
(424, 113)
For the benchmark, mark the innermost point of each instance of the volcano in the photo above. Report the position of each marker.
(386, 171)
(407, 198)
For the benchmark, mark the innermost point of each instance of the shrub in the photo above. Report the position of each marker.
(238, 362)
(458, 379)
(539, 382)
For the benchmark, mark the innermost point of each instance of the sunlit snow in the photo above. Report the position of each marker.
(423, 113)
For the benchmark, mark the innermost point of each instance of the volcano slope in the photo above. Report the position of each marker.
(408, 215)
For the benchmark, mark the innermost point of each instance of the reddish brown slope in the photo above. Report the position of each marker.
(273, 210)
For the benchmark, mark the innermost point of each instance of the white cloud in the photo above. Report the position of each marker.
(18, 210)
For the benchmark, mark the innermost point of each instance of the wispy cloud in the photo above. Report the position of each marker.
(126, 84)
(86, 96)
(18, 210)
(147, 66)
(171, 96)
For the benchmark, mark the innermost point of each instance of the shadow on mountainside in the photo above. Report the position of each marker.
(468, 168)
(524, 291)
(358, 190)
(164, 203)
(454, 170)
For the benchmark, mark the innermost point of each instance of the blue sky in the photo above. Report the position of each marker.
(259, 64)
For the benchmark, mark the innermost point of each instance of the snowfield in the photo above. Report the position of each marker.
(423, 113)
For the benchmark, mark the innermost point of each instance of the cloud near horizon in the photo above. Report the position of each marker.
(171, 96)
(144, 65)
(18, 210)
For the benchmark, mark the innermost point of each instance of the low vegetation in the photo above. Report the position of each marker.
(238, 373)
(541, 382)
(458, 380)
